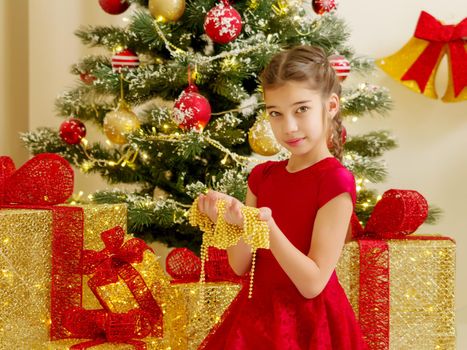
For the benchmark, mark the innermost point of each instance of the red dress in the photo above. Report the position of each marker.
(278, 317)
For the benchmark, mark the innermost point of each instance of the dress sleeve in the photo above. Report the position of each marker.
(254, 178)
(335, 182)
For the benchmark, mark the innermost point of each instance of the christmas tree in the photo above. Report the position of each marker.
(179, 101)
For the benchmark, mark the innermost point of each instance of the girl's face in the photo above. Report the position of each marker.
(296, 116)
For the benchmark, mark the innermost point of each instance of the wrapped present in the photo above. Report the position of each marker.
(62, 279)
(204, 306)
(401, 286)
(205, 302)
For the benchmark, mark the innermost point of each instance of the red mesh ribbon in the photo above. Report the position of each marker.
(102, 326)
(115, 261)
(398, 214)
(184, 266)
(44, 180)
(430, 29)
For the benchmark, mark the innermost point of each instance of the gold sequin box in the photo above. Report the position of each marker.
(25, 272)
(422, 281)
(204, 305)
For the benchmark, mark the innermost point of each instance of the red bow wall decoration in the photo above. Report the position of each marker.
(416, 64)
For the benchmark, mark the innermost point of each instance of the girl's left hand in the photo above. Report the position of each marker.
(265, 214)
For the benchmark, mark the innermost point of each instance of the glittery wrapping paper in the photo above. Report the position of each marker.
(422, 277)
(25, 240)
(25, 269)
(203, 312)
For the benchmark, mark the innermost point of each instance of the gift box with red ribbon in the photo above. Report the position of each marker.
(400, 284)
(206, 302)
(71, 272)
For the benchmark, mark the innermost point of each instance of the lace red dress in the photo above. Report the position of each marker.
(278, 316)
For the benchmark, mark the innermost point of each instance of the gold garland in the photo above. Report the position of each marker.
(223, 235)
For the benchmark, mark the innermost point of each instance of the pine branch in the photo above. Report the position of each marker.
(364, 167)
(371, 145)
(108, 37)
(434, 215)
(365, 99)
(83, 103)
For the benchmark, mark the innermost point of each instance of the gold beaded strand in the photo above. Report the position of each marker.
(223, 235)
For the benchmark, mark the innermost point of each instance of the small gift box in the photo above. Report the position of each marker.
(400, 285)
(204, 303)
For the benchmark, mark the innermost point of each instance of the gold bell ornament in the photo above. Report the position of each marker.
(415, 65)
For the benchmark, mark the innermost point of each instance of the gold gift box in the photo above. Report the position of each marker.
(421, 284)
(204, 306)
(26, 263)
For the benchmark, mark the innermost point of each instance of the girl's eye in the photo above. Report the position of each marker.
(274, 114)
(303, 109)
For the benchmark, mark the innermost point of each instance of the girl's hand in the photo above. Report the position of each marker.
(233, 213)
(265, 214)
(207, 203)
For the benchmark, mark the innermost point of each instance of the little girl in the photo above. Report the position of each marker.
(307, 201)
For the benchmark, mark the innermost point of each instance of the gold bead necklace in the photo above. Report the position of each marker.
(223, 235)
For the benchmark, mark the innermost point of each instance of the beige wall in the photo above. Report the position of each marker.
(39, 47)
(14, 69)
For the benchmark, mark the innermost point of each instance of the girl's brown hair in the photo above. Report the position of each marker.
(308, 63)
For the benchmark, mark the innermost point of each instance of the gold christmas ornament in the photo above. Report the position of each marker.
(261, 138)
(170, 10)
(223, 235)
(119, 123)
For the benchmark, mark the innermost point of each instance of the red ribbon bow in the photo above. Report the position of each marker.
(46, 179)
(184, 266)
(398, 214)
(432, 30)
(102, 326)
(115, 261)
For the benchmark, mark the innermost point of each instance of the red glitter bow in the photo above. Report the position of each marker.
(184, 266)
(102, 326)
(430, 29)
(399, 213)
(115, 261)
(46, 179)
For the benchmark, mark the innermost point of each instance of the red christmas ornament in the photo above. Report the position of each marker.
(192, 110)
(223, 23)
(124, 59)
(341, 66)
(87, 78)
(72, 131)
(114, 7)
(323, 6)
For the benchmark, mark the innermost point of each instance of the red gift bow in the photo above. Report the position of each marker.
(397, 215)
(115, 261)
(184, 266)
(430, 29)
(107, 327)
(46, 179)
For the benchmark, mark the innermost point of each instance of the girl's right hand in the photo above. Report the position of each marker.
(207, 204)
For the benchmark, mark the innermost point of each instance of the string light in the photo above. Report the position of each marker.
(202, 60)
